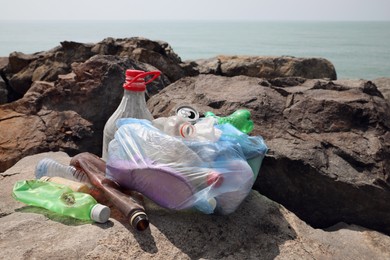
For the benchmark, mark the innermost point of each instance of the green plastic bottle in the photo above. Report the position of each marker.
(61, 199)
(239, 119)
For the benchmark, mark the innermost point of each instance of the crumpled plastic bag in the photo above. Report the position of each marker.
(176, 173)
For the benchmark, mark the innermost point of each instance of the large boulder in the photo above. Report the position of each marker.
(3, 86)
(329, 157)
(267, 67)
(3, 62)
(27, 128)
(68, 114)
(19, 60)
(24, 69)
(3, 92)
(383, 85)
(156, 53)
(259, 229)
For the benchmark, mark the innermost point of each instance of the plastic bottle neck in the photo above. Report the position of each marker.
(133, 99)
(135, 87)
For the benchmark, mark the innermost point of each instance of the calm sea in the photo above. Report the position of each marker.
(357, 49)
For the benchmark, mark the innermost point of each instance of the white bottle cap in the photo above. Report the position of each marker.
(100, 213)
(213, 202)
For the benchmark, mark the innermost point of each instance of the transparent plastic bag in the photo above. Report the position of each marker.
(179, 173)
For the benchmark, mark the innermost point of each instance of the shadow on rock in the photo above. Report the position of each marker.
(255, 230)
(144, 238)
(69, 221)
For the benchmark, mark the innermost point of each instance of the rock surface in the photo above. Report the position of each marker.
(3, 92)
(328, 160)
(23, 69)
(267, 67)
(259, 229)
(329, 141)
(67, 115)
(383, 85)
(84, 81)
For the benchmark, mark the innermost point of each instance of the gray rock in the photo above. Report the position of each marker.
(3, 63)
(259, 229)
(27, 129)
(267, 67)
(383, 85)
(18, 60)
(329, 141)
(24, 69)
(3, 92)
(68, 115)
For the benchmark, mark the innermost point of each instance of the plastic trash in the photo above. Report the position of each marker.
(60, 199)
(130, 205)
(253, 147)
(239, 119)
(49, 168)
(73, 185)
(188, 112)
(178, 126)
(133, 103)
(178, 173)
(175, 126)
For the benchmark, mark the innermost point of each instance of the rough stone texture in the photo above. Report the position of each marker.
(329, 158)
(383, 85)
(91, 88)
(44, 66)
(3, 92)
(259, 229)
(66, 115)
(18, 60)
(3, 86)
(27, 128)
(24, 69)
(267, 67)
(3, 62)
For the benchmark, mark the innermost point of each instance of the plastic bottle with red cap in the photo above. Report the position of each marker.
(133, 103)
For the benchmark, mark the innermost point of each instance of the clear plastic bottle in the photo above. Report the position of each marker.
(175, 126)
(51, 170)
(61, 199)
(132, 105)
(202, 130)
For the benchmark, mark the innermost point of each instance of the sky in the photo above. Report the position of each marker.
(288, 10)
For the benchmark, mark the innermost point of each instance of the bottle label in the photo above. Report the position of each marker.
(68, 198)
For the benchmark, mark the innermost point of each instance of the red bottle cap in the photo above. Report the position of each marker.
(214, 178)
(135, 79)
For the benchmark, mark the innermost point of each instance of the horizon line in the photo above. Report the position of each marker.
(192, 20)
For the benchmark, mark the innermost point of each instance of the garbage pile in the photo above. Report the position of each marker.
(184, 161)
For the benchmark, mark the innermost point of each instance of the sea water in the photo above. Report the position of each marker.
(356, 49)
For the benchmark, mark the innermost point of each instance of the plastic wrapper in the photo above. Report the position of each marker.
(178, 173)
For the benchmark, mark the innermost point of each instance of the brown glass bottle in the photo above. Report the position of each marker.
(130, 206)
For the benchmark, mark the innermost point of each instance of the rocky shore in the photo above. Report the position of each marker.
(328, 163)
